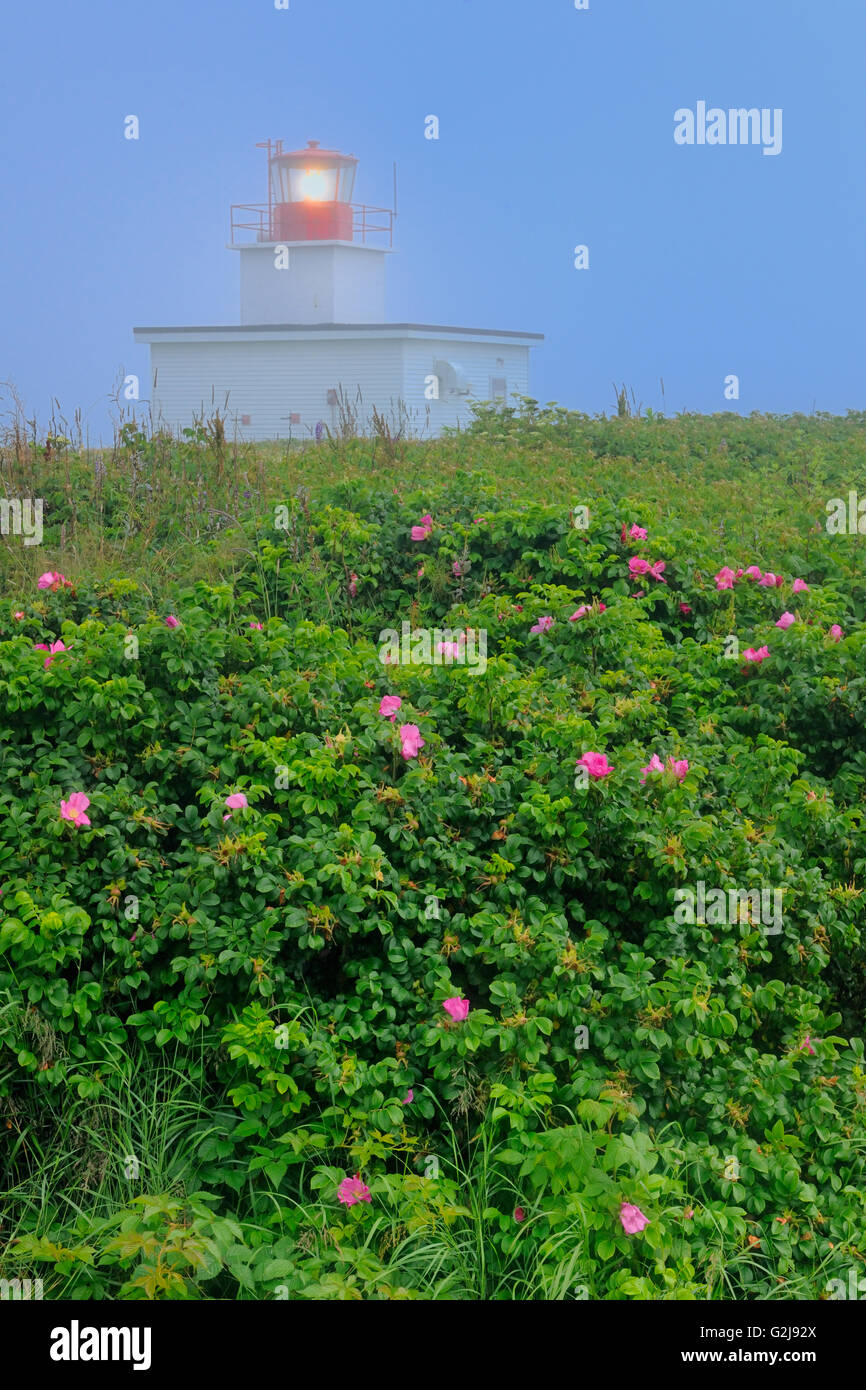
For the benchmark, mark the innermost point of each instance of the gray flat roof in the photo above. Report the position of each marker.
(357, 329)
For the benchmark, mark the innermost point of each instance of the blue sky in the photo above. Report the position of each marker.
(556, 129)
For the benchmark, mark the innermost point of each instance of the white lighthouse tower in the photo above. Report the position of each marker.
(313, 347)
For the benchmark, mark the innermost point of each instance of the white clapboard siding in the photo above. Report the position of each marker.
(261, 376)
(270, 381)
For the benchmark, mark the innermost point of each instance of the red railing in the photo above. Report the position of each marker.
(367, 222)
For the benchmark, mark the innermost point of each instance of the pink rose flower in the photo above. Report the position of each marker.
(725, 578)
(235, 802)
(53, 649)
(750, 654)
(457, 1007)
(543, 625)
(753, 573)
(637, 533)
(519, 1214)
(596, 764)
(678, 768)
(786, 620)
(655, 764)
(685, 608)
(637, 565)
(352, 1190)
(172, 621)
(806, 1046)
(259, 627)
(768, 581)
(409, 1097)
(410, 740)
(800, 586)
(389, 706)
(632, 1218)
(74, 809)
(836, 632)
(52, 579)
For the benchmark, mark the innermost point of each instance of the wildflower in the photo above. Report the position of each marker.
(753, 572)
(637, 565)
(411, 740)
(725, 578)
(596, 764)
(637, 533)
(172, 621)
(235, 802)
(448, 649)
(632, 1218)
(689, 1213)
(353, 585)
(806, 1046)
(655, 764)
(352, 1190)
(678, 768)
(768, 581)
(18, 615)
(750, 654)
(786, 620)
(457, 1007)
(409, 1097)
(74, 809)
(456, 569)
(389, 706)
(53, 650)
(259, 627)
(423, 529)
(52, 579)
(800, 586)
(585, 608)
(519, 1214)
(656, 570)
(836, 632)
(420, 573)
(685, 608)
(543, 624)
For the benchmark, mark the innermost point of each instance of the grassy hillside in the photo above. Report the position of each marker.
(521, 957)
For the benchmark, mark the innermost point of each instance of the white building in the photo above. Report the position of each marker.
(312, 347)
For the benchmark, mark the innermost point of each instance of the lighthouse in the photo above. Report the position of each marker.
(313, 348)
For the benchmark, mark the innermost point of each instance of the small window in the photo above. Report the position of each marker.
(332, 397)
(498, 388)
(246, 419)
(295, 419)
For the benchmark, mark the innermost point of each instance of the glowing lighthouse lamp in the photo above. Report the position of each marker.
(311, 195)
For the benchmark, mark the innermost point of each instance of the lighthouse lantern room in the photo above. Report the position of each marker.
(313, 333)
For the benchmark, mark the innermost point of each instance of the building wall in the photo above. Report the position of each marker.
(483, 364)
(260, 385)
(321, 284)
(269, 381)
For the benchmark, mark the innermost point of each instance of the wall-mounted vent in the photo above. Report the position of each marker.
(452, 378)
